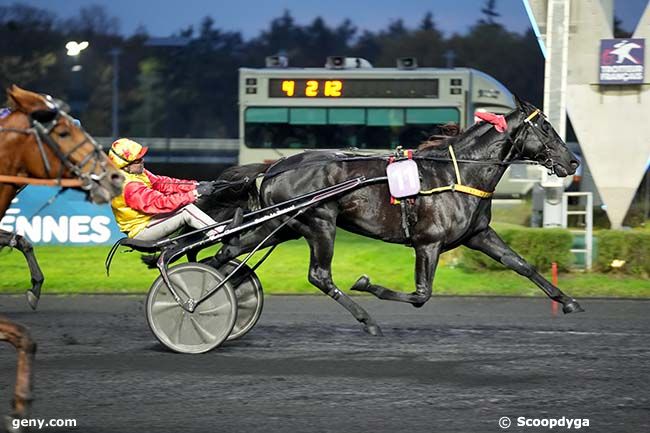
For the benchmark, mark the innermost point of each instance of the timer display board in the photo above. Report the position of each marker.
(352, 88)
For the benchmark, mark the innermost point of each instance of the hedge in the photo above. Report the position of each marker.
(540, 248)
(632, 247)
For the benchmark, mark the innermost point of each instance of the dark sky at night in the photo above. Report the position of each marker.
(165, 17)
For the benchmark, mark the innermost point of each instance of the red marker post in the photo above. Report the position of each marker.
(554, 281)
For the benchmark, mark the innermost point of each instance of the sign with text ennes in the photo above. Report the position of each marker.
(69, 220)
(621, 61)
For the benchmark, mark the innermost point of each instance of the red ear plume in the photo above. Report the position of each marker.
(497, 120)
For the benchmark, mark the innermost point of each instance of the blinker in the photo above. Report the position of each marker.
(44, 116)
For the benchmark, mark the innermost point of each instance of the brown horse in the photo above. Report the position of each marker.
(38, 141)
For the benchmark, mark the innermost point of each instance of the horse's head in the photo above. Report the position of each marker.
(536, 140)
(62, 147)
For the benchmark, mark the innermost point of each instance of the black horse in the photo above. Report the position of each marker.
(461, 173)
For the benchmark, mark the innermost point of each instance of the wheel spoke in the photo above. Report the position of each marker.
(250, 303)
(203, 283)
(215, 311)
(206, 336)
(179, 284)
(162, 306)
(179, 327)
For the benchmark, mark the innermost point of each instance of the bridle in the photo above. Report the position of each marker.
(42, 130)
(529, 124)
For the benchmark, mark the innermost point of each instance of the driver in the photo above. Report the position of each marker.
(152, 207)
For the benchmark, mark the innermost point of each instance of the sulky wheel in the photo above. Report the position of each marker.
(250, 297)
(205, 328)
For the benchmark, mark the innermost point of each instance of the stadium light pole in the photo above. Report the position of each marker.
(115, 130)
(75, 87)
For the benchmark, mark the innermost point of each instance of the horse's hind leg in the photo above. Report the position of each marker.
(426, 260)
(320, 235)
(26, 348)
(23, 245)
(491, 244)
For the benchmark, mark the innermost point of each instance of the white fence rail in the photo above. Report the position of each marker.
(162, 143)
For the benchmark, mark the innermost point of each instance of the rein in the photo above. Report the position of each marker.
(21, 180)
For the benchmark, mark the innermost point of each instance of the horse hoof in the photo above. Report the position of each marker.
(418, 304)
(362, 284)
(373, 330)
(572, 307)
(32, 300)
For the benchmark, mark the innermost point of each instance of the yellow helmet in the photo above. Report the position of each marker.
(124, 151)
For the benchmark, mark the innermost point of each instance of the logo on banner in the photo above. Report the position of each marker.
(68, 220)
(621, 61)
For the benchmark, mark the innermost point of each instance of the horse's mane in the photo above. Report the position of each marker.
(447, 130)
(438, 145)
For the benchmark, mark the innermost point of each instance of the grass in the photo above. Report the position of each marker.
(81, 270)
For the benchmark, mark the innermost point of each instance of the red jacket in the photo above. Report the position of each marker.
(166, 194)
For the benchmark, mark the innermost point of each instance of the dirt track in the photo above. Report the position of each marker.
(456, 365)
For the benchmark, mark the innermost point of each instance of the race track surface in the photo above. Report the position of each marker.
(455, 365)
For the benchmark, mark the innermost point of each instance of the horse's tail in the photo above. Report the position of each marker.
(244, 178)
(150, 260)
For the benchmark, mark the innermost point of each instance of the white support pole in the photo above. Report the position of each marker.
(555, 84)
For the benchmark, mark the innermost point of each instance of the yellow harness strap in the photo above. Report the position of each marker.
(458, 186)
(532, 115)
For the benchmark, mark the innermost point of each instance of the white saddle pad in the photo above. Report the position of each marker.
(403, 178)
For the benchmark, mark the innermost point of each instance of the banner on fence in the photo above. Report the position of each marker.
(68, 220)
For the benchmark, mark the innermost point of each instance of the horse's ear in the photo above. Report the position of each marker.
(519, 103)
(26, 101)
(13, 102)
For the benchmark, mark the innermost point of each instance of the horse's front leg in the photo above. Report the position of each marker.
(426, 261)
(26, 348)
(319, 229)
(21, 244)
(488, 242)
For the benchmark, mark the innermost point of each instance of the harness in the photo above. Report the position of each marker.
(458, 186)
(407, 205)
(41, 133)
(409, 216)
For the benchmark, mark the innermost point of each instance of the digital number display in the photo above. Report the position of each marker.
(352, 88)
